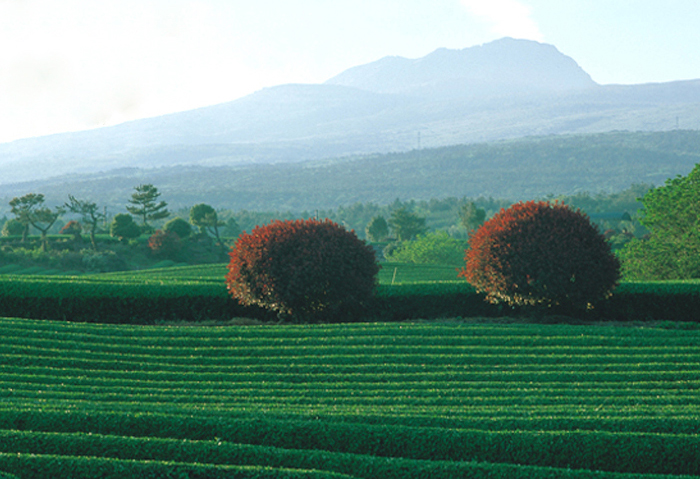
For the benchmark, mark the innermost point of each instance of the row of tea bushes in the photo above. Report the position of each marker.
(406, 400)
(181, 296)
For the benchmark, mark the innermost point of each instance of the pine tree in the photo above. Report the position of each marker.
(146, 205)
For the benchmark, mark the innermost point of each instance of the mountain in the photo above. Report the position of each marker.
(504, 66)
(501, 90)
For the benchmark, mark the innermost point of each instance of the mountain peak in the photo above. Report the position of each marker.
(500, 67)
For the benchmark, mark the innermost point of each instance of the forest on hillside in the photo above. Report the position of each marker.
(529, 168)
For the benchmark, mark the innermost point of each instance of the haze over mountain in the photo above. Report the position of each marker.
(504, 89)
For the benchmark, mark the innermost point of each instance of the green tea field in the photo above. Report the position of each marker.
(396, 273)
(376, 400)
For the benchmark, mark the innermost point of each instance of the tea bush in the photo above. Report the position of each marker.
(307, 269)
(540, 253)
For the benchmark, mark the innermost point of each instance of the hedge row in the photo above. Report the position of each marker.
(114, 301)
(105, 455)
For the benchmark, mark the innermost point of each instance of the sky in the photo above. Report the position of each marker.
(71, 65)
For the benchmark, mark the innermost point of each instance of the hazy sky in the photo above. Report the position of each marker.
(76, 64)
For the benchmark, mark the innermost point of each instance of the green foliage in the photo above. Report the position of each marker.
(406, 225)
(179, 226)
(309, 269)
(435, 248)
(377, 229)
(654, 259)
(12, 227)
(124, 227)
(146, 205)
(672, 213)
(541, 253)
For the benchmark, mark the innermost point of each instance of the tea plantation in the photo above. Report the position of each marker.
(440, 399)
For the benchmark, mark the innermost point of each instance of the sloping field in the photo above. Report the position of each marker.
(429, 400)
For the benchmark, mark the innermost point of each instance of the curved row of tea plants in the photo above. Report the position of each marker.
(436, 400)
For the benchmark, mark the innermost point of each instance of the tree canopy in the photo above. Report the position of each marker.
(377, 229)
(205, 217)
(89, 213)
(406, 225)
(30, 210)
(146, 204)
(22, 206)
(672, 213)
(124, 227)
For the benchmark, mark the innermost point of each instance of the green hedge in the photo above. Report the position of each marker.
(121, 300)
(110, 301)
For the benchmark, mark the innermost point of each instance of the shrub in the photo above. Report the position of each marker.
(124, 227)
(102, 262)
(164, 244)
(541, 253)
(179, 226)
(307, 269)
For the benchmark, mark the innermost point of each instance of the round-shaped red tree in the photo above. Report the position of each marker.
(541, 253)
(307, 269)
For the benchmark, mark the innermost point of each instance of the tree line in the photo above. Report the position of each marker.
(406, 230)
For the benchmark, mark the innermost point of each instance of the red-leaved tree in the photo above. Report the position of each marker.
(308, 269)
(541, 253)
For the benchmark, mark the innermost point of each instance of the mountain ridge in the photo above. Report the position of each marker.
(302, 122)
(516, 65)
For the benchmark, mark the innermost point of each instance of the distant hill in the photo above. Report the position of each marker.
(515, 169)
(501, 90)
